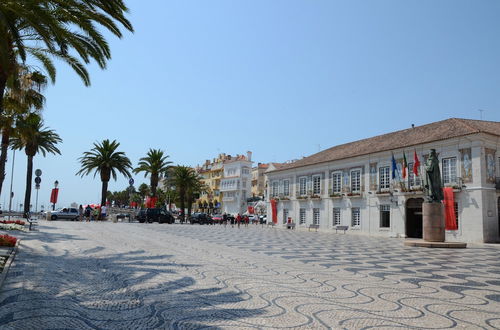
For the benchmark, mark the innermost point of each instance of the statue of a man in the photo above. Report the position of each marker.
(433, 185)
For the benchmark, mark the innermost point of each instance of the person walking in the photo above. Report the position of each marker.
(246, 219)
(103, 212)
(224, 219)
(88, 212)
(96, 214)
(238, 220)
(80, 213)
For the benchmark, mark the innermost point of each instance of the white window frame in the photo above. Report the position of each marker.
(385, 208)
(449, 170)
(302, 216)
(316, 184)
(285, 215)
(303, 187)
(355, 182)
(336, 216)
(275, 189)
(316, 216)
(413, 180)
(384, 178)
(337, 182)
(286, 187)
(356, 217)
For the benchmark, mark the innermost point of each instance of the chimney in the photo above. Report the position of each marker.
(249, 156)
(412, 125)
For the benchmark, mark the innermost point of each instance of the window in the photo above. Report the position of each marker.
(274, 191)
(316, 184)
(385, 216)
(302, 216)
(285, 215)
(336, 182)
(413, 181)
(316, 216)
(449, 170)
(336, 216)
(355, 181)
(286, 187)
(356, 219)
(302, 186)
(384, 178)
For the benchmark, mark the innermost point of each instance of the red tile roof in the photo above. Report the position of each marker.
(441, 130)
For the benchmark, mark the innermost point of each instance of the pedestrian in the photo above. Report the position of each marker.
(224, 219)
(246, 220)
(80, 213)
(88, 213)
(96, 214)
(103, 212)
(238, 220)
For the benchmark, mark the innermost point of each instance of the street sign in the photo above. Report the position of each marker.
(38, 180)
(38, 172)
(131, 182)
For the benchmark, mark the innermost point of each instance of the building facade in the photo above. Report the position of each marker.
(236, 184)
(353, 184)
(258, 180)
(211, 173)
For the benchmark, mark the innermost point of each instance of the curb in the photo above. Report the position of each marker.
(6, 268)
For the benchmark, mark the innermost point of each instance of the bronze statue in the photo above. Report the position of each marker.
(433, 186)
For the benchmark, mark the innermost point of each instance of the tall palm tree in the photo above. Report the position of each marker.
(22, 96)
(66, 30)
(105, 160)
(33, 138)
(186, 180)
(155, 165)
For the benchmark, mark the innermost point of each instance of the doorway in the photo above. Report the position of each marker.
(414, 226)
(498, 214)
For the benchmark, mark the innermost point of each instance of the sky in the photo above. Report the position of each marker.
(281, 78)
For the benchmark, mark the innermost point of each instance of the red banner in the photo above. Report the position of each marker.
(274, 210)
(151, 202)
(251, 210)
(53, 195)
(449, 209)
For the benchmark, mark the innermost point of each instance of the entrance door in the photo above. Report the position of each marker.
(414, 218)
(498, 214)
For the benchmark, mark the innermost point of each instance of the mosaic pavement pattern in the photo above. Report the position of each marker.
(151, 276)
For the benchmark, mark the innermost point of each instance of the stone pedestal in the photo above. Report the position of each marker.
(433, 222)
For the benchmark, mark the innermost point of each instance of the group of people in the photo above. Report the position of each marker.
(90, 213)
(235, 220)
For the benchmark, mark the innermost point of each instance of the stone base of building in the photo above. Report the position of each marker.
(433, 222)
(449, 245)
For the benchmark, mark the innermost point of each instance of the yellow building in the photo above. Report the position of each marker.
(212, 173)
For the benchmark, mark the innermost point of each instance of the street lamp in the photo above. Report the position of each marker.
(56, 184)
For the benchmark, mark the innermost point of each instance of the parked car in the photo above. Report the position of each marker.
(65, 213)
(217, 218)
(141, 215)
(201, 218)
(159, 215)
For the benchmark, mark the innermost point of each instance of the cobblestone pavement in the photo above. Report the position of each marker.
(150, 276)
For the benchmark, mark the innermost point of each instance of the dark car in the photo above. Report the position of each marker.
(159, 215)
(141, 216)
(201, 218)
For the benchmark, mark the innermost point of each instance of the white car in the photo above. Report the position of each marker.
(64, 213)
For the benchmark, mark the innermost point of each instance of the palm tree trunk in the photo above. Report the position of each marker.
(182, 196)
(27, 195)
(154, 184)
(104, 191)
(3, 155)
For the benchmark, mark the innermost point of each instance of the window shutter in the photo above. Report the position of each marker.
(309, 185)
(297, 186)
(280, 188)
(330, 183)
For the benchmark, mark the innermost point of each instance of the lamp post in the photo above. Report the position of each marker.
(56, 184)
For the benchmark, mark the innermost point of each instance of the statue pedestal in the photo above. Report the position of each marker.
(433, 222)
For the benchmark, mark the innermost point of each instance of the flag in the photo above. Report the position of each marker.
(449, 209)
(405, 165)
(416, 163)
(394, 167)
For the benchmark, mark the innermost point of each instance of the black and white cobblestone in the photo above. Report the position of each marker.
(150, 276)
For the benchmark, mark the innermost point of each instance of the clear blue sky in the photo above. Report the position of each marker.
(281, 78)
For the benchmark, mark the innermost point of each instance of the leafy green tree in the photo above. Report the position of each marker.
(42, 30)
(186, 181)
(104, 160)
(144, 191)
(33, 138)
(155, 165)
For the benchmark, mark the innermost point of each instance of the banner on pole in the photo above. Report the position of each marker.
(449, 209)
(53, 195)
(274, 210)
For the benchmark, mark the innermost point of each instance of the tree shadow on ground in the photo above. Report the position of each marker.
(99, 290)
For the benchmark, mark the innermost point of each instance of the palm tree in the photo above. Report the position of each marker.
(186, 180)
(22, 96)
(105, 160)
(33, 138)
(155, 165)
(46, 29)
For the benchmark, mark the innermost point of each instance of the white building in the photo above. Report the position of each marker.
(236, 184)
(352, 185)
